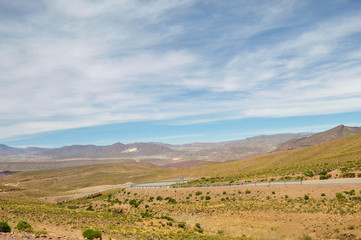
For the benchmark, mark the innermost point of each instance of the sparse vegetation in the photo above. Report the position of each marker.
(179, 213)
(326, 176)
(349, 175)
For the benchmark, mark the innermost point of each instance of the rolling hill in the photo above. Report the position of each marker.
(338, 132)
(70, 178)
(329, 155)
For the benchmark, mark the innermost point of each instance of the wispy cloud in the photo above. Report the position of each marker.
(66, 64)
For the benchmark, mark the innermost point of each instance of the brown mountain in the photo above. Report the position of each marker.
(111, 151)
(338, 132)
(6, 150)
(156, 153)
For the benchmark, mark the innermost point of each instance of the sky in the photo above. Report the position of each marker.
(99, 72)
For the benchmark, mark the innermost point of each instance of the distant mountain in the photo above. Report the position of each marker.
(111, 151)
(331, 154)
(266, 141)
(6, 150)
(338, 132)
(157, 153)
(238, 149)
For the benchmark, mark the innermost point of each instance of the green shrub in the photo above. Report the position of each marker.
(146, 215)
(4, 227)
(198, 228)
(352, 192)
(339, 196)
(306, 237)
(22, 225)
(208, 198)
(168, 218)
(198, 193)
(159, 198)
(170, 200)
(348, 175)
(324, 177)
(90, 208)
(306, 197)
(323, 194)
(182, 225)
(135, 203)
(308, 174)
(92, 234)
(248, 191)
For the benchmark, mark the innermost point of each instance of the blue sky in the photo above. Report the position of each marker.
(98, 72)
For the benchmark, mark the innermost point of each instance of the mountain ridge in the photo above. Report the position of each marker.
(335, 133)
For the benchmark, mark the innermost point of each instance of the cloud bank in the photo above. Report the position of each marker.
(66, 64)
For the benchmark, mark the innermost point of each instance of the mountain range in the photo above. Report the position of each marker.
(162, 154)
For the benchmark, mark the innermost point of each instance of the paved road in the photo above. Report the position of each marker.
(152, 184)
(170, 182)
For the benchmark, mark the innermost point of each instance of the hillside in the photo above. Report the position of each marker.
(345, 152)
(267, 142)
(338, 132)
(70, 178)
(329, 155)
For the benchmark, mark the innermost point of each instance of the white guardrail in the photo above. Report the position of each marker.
(180, 184)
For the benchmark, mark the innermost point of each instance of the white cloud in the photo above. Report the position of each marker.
(85, 63)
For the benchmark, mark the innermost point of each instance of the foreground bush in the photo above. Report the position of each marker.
(22, 225)
(4, 227)
(92, 234)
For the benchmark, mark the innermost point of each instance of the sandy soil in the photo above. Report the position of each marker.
(269, 224)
